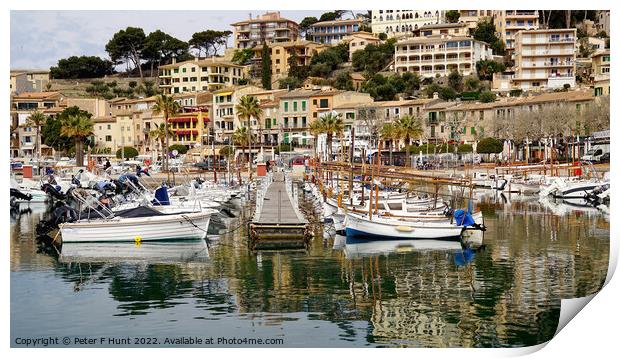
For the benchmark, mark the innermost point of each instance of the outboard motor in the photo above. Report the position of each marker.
(19, 195)
(53, 191)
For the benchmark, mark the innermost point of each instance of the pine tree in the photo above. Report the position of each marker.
(266, 67)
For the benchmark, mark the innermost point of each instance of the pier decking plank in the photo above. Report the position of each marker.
(277, 207)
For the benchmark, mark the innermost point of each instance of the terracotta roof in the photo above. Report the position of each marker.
(336, 22)
(436, 39)
(212, 61)
(261, 19)
(296, 93)
(442, 26)
(37, 95)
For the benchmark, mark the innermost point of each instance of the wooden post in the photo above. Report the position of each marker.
(351, 164)
(373, 182)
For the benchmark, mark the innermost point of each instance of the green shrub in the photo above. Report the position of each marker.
(130, 152)
(490, 145)
(181, 148)
(465, 148)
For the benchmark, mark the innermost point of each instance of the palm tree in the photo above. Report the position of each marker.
(159, 134)
(242, 138)
(78, 127)
(332, 124)
(168, 107)
(247, 108)
(408, 127)
(37, 119)
(389, 132)
(316, 128)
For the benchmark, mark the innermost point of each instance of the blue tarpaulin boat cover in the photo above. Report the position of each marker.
(463, 218)
(161, 196)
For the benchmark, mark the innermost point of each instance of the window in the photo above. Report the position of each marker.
(274, 122)
(28, 139)
(184, 69)
(442, 129)
(100, 128)
(176, 70)
(350, 115)
(303, 105)
(109, 127)
(598, 91)
(193, 69)
(285, 106)
(277, 61)
(295, 106)
(324, 103)
(108, 138)
(314, 102)
(472, 131)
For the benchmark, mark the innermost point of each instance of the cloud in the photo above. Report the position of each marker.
(40, 38)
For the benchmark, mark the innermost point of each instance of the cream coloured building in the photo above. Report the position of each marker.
(359, 41)
(601, 66)
(430, 56)
(472, 17)
(545, 58)
(199, 75)
(399, 23)
(267, 28)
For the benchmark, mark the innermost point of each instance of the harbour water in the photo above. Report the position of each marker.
(505, 293)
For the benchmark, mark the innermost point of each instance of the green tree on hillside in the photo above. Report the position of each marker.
(81, 67)
(126, 46)
(452, 16)
(485, 31)
(266, 67)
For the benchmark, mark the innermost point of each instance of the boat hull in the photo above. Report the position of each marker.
(360, 228)
(153, 228)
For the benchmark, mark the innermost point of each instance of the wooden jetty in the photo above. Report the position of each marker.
(277, 221)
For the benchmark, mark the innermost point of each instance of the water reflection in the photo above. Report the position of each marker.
(502, 292)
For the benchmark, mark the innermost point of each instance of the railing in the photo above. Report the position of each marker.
(261, 191)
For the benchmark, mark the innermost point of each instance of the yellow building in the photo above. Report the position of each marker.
(509, 22)
(282, 51)
(601, 64)
(199, 75)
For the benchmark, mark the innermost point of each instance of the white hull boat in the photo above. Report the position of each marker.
(148, 228)
(380, 228)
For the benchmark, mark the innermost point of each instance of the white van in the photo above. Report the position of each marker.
(596, 152)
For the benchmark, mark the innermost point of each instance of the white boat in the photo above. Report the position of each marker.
(566, 188)
(149, 225)
(382, 228)
(27, 188)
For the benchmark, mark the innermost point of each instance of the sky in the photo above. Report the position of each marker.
(40, 38)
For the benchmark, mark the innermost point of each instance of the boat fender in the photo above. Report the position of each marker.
(403, 228)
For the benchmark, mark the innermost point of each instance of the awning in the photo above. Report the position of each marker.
(224, 94)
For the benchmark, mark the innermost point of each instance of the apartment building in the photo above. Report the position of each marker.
(509, 22)
(325, 100)
(332, 32)
(544, 58)
(295, 115)
(280, 54)
(603, 21)
(368, 117)
(199, 75)
(456, 29)
(22, 106)
(267, 28)
(601, 64)
(359, 41)
(439, 55)
(398, 23)
(225, 119)
(29, 81)
(471, 17)
(271, 128)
